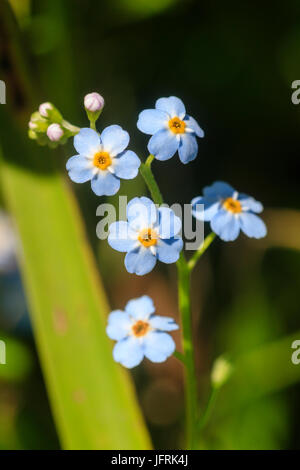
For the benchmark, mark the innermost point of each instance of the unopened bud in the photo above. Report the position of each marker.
(93, 102)
(32, 134)
(221, 372)
(44, 108)
(54, 132)
(32, 125)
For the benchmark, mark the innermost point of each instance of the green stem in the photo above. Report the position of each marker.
(190, 373)
(93, 125)
(184, 278)
(208, 410)
(179, 356)
(146, 172)
(203, 247)
(70, 127)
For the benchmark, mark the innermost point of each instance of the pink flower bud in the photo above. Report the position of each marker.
(54, 132)
(43, 109)
(93, 102)
(32, 125)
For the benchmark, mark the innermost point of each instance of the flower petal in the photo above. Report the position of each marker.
(192, 124)
(119, 325)
(114, 140)
(226, 225)
(87, 141)
(219, 190)
(249, 203)
(252, 225)
(171, 105)
(163, 323)
(121, 237)
(188, 148)
(105, 183)
(126, 165)
(168, 223)
(168, 251)
(140, 261)
(140, 308)
(152, 120)
(141, 213)
(163, 145)
(158, 346)
(128, 352)
(207, 208)
(80, 169)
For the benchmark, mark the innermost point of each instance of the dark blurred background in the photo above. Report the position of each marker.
(232, 63)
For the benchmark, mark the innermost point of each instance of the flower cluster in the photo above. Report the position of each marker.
(48, 127)
(151, 233)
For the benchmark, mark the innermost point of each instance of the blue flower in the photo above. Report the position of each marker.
(171, 129)
(229, 212)
(148, 235)
(140, 333)
(103, 159)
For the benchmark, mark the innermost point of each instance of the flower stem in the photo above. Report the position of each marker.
(92, 120)
(202, 248)
(208, 410)
(70, 127)
(179, 356)
(190, 373)
(184, 277)
(146, 172)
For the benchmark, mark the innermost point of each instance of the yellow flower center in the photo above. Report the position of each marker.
(232, 205)
(102, 160)
(140, 328)
(148, 237)
(177, 125)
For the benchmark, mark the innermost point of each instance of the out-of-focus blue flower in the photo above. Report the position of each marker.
(103, 159)
(229, 212)
(148, 235)
(171, 129)
(140, 333)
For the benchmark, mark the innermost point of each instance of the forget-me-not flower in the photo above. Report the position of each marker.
(103, 159)
(148, 235)
(229, 212)
(140, 333)
(171, 129)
